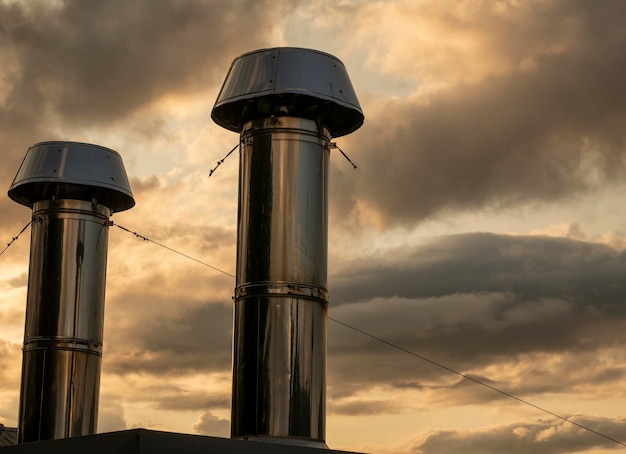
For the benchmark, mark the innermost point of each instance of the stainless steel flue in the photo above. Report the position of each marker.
(287, 104)
(73, 188)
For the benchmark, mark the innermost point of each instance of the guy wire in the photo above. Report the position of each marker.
(409, 352)
(16, 237)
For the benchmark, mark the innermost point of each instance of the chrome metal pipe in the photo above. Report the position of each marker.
(286, 103)
(73, 189)
(279, 368)
(64, 320)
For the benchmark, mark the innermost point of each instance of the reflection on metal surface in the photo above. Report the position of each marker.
(283, 214)
(287, 103)
(72, 170)
(281, 297)
(288, 81)
(73, 188)
(64, 320)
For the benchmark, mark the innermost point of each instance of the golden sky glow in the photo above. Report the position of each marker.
(484, 227)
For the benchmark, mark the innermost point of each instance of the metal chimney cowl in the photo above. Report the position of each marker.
(73, 188)
(287, 104)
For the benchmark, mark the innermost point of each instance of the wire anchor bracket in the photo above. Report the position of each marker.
(221, 161)
(333, 146)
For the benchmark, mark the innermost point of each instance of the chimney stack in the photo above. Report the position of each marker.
(287, 104)
(73, 189)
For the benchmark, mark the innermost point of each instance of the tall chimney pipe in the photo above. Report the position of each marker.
(73, 188)
(287, 104)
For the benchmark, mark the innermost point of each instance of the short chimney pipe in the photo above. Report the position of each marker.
(73, 189)
(287, 104)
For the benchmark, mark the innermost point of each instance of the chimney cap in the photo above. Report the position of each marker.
(288, 81)
(72, 170)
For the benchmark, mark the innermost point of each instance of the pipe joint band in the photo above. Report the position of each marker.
(281, 289)
(63, 343)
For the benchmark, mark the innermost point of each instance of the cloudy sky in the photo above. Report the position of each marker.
(484, 229)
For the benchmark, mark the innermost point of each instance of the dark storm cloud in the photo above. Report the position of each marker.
(475, 300)
(197, 339)
(535, 380)
(97, 62)
(528, 266)
(75, 65)
(537, 133)
(521, 438)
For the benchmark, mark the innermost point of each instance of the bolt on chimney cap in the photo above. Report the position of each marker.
(288, 81)
(72, 170)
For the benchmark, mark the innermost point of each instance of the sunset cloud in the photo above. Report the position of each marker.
(541, 436)
(476, 112)
(539, 120)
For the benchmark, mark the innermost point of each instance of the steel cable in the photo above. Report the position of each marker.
(16, 237)
(409, 352)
